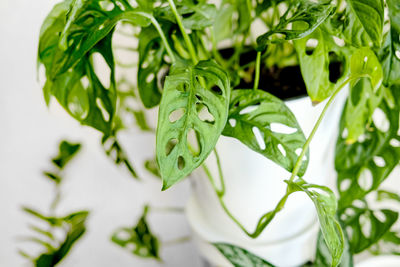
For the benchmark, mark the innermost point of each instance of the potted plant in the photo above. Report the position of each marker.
(204, 91)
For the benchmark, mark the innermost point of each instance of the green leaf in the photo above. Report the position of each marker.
(308, 15)
(222, 28)
(363, 165)
(184, 90)
(370, 15)
(314, 64)
(151, 166)
(139, 239)
(364, 63)
(240, 257)
(325, 202)
(66, 152)
(364, 227)
(323, 256)
(114, 150)
(389, 59)
(151, 53)
(255, 112)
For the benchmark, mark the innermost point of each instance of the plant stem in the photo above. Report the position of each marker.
(177, 241)
(314, 130)
(258, 67)
(184, 34)
(163, 38)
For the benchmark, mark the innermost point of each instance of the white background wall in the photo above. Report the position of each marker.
(29, 134)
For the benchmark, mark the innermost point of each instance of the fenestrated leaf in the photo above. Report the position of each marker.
(307, 14)
(185, 89)
(314, 65)
(363, 165)
(326, 204)
(252, 111)
(364, 227)
(370, 14)
(139, 239)
(390, 61)
(240, 257)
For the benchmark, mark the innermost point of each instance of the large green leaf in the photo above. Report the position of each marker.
(364, 63)
(254, 112)
(325, 202)
(240, 257)
(151, 53)
(363, 165)
(139, 239)
(389, 59)
(308, 14)
(186, 89)
(315, 64)
(370, 15)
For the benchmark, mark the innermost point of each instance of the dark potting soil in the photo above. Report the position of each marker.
(285, 83)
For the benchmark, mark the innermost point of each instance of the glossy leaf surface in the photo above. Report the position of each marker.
(205, 84)
(253, 116)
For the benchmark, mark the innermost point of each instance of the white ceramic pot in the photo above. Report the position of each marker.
(381, 261)
(254, 185)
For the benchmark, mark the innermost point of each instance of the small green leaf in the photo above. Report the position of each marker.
(240, 257)
(253, 114)
(326, 204)
(139, 239)
(364, 63)
(67, 151)
(370, 14)
(306, 13)
(184, 90)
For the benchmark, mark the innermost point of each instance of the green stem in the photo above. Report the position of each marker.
(177, 241)
(163, 38)
(258, 67)
(184, 34)
(314, 130)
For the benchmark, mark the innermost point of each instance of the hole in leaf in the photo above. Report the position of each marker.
(365, 224)
(282, 150)
(150, 78)
(216, 90)
(120, 5)
(380, 120)
(167, 59)
(379, 161)
(183, 87)
(259, 137)
(170, 146)
(349, 212)
(397, 53)
(311, 45)
(358, 204)
(145, 64)
(349, 231)
(104, 112)
(248, 109)
(395, 142)
(204, 113)
(192, 137)
(365, 180)
(345, 133)
(176, 114)
(232, 122)
(362, 138)
(340, 42)
(345, 184)
(181, 163)
(277, 36)
(380, 215)
(85, 82)
(298, 151)
(101, 69)
(106, 5)
(123, 235)
(335, 67)
(282, 128)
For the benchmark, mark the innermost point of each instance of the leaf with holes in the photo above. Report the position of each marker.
(315, 62)
(363, 165)
(308, 15)
(151, 53)
(370, 14)
(204, 84)
(365, 227)
(240, 257)
(326, 204)
(139, 239)
(390, 52)
(266, 125)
